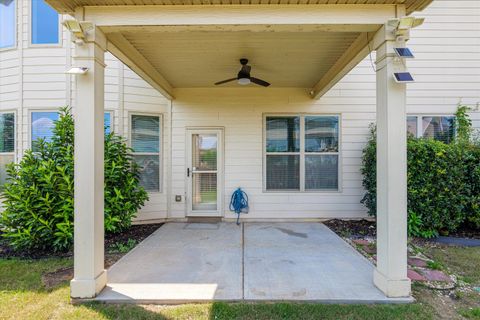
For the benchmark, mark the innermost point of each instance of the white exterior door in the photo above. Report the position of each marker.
(204, 172)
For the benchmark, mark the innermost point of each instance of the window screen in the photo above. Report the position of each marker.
(42, 127)
(412, 125)
(7, 132)
(321, 134)
(7, 143)
(45, 25)
(293, 140)
(145, 141)
(439, 128)
(283, 134)
(7, 23)
(321, 152)
(283, 153)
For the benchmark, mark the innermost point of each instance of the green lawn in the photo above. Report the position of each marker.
(464, 262)
(23, 296)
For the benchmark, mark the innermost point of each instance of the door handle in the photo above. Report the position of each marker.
(188, 172)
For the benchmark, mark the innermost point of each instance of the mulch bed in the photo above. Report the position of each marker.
(136, 232)
(367, 228)
(465, 232)
(353, 228)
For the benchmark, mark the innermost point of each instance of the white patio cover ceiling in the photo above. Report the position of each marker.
(195, 44)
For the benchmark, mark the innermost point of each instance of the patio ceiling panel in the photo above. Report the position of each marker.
(199, 59)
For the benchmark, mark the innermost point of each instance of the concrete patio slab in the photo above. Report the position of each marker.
(185, 262)
(180, 262)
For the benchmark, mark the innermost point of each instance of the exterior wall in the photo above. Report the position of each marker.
(240, 112)
(32, 77)
(446, 68)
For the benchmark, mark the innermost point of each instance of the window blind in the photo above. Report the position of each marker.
(7, 143)
(145, 141)
(301, 148)
(439, 128)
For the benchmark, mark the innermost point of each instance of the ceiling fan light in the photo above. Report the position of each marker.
(243, 81)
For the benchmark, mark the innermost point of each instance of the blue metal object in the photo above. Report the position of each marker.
(239, 203)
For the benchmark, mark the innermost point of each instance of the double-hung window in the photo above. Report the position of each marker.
(43, 123)
(8, 28)
(45, 26)
(301, 152)
(7, 143)
(440, 128)
(145, 140)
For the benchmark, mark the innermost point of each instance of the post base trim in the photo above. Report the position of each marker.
(88, 288)
(392, 288)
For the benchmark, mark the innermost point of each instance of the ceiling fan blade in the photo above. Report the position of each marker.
(259, 82)
(225, 81)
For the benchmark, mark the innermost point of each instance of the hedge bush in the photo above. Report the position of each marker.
(443, 181)
(38, 204)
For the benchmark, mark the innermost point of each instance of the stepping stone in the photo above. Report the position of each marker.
(370, 249)
(417, 262)
(436, 275)
(361, 242)
(415, 276)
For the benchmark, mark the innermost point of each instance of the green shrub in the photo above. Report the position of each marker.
(443, 181)
(39, 194)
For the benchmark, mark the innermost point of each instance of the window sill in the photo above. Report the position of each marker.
(286, 192)
(8, 49)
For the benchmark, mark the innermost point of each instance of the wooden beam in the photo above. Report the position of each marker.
(129, 55)
(242, 28)
(251, 15)
(358, 50)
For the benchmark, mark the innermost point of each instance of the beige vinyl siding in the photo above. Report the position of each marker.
(138, 98)
(240, 112)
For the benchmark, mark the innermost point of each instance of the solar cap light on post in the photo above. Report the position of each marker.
(402, 28)
(79, 32)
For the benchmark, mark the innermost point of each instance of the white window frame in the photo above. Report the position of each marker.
(44, 45)
(302, 152)
(420, 123)
(160, 149)
(30, 122)
(15, 135)
(15, 26)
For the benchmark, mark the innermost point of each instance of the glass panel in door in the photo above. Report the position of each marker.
(204, 172)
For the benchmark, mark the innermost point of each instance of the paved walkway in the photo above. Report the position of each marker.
(185, 262)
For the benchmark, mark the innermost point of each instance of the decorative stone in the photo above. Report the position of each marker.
(415, 276)
(361, 242)
(417, 262)
(370, 249)
(436, 275)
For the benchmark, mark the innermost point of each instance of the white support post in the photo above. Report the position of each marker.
(390, 276)
(89, 273)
